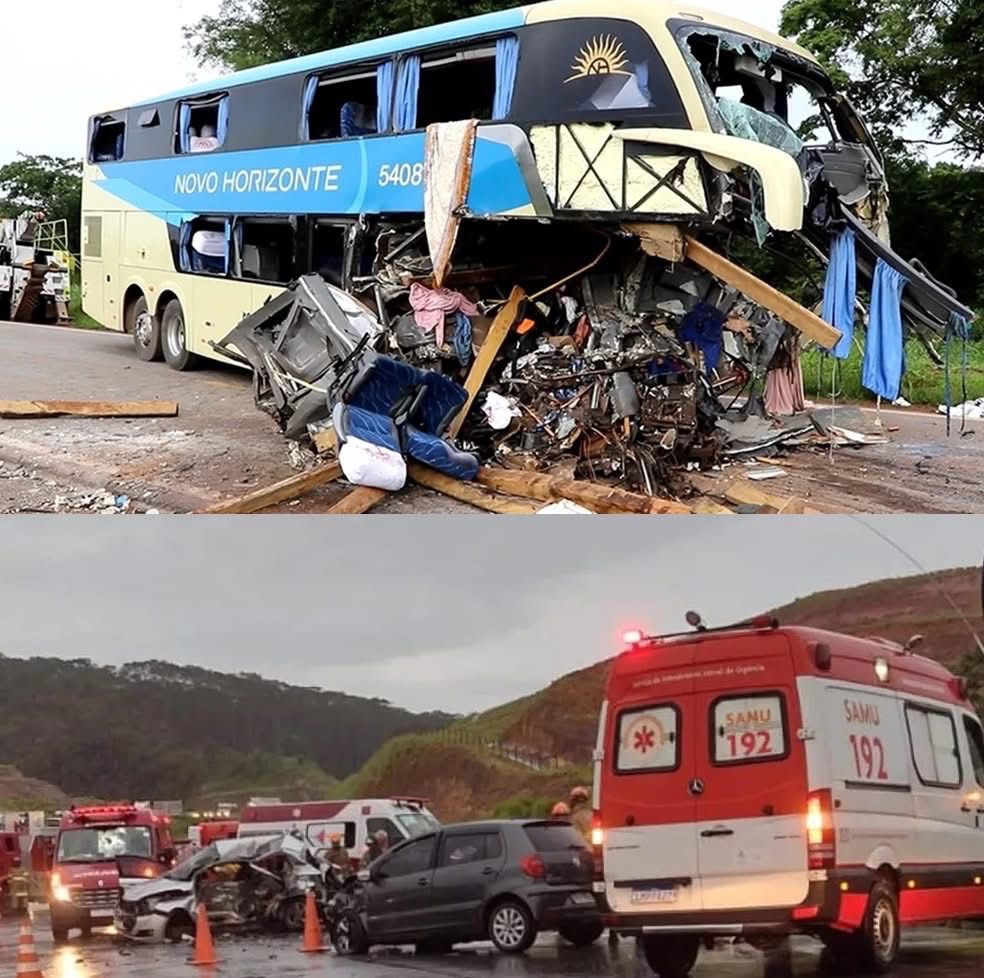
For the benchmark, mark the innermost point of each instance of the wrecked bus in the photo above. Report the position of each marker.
(198, 206)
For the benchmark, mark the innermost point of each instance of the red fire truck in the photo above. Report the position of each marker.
(97, 847)
(13, 889)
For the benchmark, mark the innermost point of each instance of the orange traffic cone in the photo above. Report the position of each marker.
(204, 946)
(28, 965)
(313, 938)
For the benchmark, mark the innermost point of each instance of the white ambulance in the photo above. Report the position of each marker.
(758, 780)
(356, 821)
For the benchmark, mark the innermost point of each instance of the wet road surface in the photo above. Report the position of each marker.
(928, 953)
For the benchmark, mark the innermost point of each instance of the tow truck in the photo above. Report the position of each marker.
(97, 847)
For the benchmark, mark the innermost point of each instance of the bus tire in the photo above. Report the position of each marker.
(671, 955)
(173, 340)
(880, 932)
(145, 329)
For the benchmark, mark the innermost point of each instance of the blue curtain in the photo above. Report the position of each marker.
(184, 127)
(228, 245)
(222, 128)
(406, 92)
(310, 90)
(237, 234)
(506, 61)
(184, 247)
(883, 354)
(839, 291)
(384, 96)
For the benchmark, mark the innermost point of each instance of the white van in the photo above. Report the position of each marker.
(355, 821)
(759, 780)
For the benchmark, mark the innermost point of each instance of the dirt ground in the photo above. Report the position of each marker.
(220, 446)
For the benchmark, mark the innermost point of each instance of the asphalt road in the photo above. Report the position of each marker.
(220, 445)
(930, 953)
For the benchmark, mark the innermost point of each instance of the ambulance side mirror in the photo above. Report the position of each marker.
(822, 656)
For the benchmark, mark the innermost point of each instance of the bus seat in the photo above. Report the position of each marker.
(251, 261)
(355, 120)
(438, 402)
(373, 401)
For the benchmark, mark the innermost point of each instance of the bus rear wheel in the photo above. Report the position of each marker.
(145, 329)
(174, 338)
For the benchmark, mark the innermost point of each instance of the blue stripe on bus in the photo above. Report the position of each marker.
(381, 47)
(379, 175)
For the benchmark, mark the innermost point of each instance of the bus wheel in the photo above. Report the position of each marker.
(173, 338)
(671, 955)
(880, 933)
(146, 330)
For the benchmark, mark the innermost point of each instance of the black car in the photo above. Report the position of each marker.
(503, 881)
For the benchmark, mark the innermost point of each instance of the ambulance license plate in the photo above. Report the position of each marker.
(653, 896)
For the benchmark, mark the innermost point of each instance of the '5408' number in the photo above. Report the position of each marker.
(401, 174)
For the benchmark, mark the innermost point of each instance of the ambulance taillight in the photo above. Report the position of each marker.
(820, 830)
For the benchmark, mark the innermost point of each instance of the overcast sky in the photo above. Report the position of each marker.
(456, 613)
(106, 54)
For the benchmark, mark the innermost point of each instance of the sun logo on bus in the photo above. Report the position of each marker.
(602, 55)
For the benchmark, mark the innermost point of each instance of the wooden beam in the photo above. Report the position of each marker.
(504, 320)
(593, 495)
(468, 492)
(289, 488)
(359, 500)
(662, 240)
(807, 322)
(742, 492)
(88, 409)
(705, 507)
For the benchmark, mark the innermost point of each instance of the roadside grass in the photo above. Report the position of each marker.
(922, 383)
(78, 317)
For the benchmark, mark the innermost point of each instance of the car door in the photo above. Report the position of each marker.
(399, 894)
(467, 864)
(751, 784)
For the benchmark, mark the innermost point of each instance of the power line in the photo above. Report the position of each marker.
(931, 574)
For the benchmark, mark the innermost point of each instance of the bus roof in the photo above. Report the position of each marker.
(491, 23)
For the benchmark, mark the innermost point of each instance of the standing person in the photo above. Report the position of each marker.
(375, 847)
(339, 856)
(583, 820)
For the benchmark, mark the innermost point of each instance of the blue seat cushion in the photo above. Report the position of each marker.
(382, 384)
(443, 400)
(356, 422)
(430, 450)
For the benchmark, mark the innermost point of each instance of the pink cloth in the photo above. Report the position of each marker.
(784, 394)
(430, 306)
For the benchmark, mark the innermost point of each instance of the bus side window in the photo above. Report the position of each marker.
(267, 250)
(456, 85)
(204, 246)
(203, 124)
(342, 106)
(108, 139)
(975, 741)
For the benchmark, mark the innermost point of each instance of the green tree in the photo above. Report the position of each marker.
(246, 33)
(971, 666)
(49, 183)
(903, 59)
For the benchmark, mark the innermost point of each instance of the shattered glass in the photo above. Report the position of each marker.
(747, 122)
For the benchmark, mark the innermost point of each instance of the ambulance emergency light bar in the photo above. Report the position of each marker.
(634, 637)
(102, 813)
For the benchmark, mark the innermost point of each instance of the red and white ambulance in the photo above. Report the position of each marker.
(757, 780)
(354, 820)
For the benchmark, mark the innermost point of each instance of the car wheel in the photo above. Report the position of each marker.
(178, 927)
(59, 930)
(293, 915)
(581, 935)
(511, 927)
(880, 933)
(174, 339)
(671, 955)
(348, 936)
(145, 329)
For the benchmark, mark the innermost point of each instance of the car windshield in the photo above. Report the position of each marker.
(98, 844)
(417, 823)
(760, 92)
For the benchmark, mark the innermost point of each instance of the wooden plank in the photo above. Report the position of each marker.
(707, 507)
(498, 331)
(742, 492)
(325, 441)
(595, 496)
(88, 409)
(359, 500)
(661, 240)
(808, 323)
(289, 488)
(468, 492)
